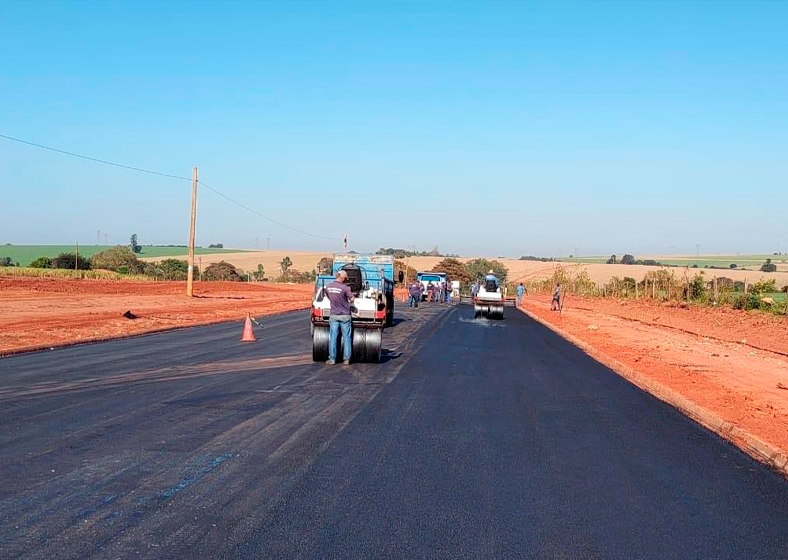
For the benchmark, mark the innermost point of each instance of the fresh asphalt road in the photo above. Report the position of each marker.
(474, 439)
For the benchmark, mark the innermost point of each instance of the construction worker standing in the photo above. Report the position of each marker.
(520, 292)
(414, 290)
(556, 303)
(341, 297)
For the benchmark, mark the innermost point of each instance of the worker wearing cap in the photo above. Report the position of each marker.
(340, 297)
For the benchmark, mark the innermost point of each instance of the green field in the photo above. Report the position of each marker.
(752, 262)
(25, 254)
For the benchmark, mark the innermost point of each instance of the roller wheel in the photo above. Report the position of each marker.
(477, 311)
(496, 312)
(320, 339)
(367, 345)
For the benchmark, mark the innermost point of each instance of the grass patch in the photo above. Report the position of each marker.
(25, 254)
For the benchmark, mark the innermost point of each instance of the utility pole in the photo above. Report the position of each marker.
(268, 244)
(106, 239)
(190, 267)
(76, 257)
(345, 243)
(98, 237)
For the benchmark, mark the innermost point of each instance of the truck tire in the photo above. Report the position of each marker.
(320, 339)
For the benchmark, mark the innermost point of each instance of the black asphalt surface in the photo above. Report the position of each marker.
(474, 439)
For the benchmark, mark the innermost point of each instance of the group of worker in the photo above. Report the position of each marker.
(437, 292)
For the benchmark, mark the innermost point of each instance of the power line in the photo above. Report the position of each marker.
(105, 162)
(256, 213)
(150, 172)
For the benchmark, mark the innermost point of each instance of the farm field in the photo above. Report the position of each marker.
(25, 254)
(518, 270)
(750, 261)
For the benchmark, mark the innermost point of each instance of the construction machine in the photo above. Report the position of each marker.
(371, 280)
(489, 301)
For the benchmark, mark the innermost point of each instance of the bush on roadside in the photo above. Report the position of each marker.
(168, 269)
(119, 258)
(222, 271)
(41, 262)
(70, 261)
(298, 277)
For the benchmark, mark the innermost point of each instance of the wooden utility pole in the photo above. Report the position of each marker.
(345, 243)
(190, 269)
(76, 257)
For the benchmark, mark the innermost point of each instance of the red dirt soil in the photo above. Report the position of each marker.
(48, 312)
(733, 363)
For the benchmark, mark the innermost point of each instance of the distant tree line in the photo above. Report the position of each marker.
(403, 253)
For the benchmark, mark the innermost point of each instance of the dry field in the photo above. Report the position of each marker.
(47, 312)
(518, 270)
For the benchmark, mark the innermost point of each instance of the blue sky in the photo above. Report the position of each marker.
(496, 128)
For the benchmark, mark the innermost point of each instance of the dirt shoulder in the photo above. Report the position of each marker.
(732, 363)
(47, 312)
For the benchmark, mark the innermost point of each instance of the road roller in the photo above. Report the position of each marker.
(489, 300)
(371, 279)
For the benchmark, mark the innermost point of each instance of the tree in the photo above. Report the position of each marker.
(259, 274)
(285, 264)
(41, 262)
(6, 261)
(611, 260)
(118, 258)
(733, 265)
(627, 259)
(769, 266)
(168, 269)
(222, 271)
(133, 244)
(70, 261)
(325, 265)
(216, 246)
(478, 268)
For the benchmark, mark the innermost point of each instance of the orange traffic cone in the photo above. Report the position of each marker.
(248, 335)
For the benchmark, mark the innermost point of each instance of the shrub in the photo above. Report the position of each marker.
(168, 269)
(116, 258)
(41, 262)
(222, 271)
(70, 261)
(285, 264)
(6, 261)
(611, 260)
(733, 265)
(627, 259)
(259, 274)
(298, 277)
(764, 287)
(747, 301)
(697, 287)
(768, 266)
